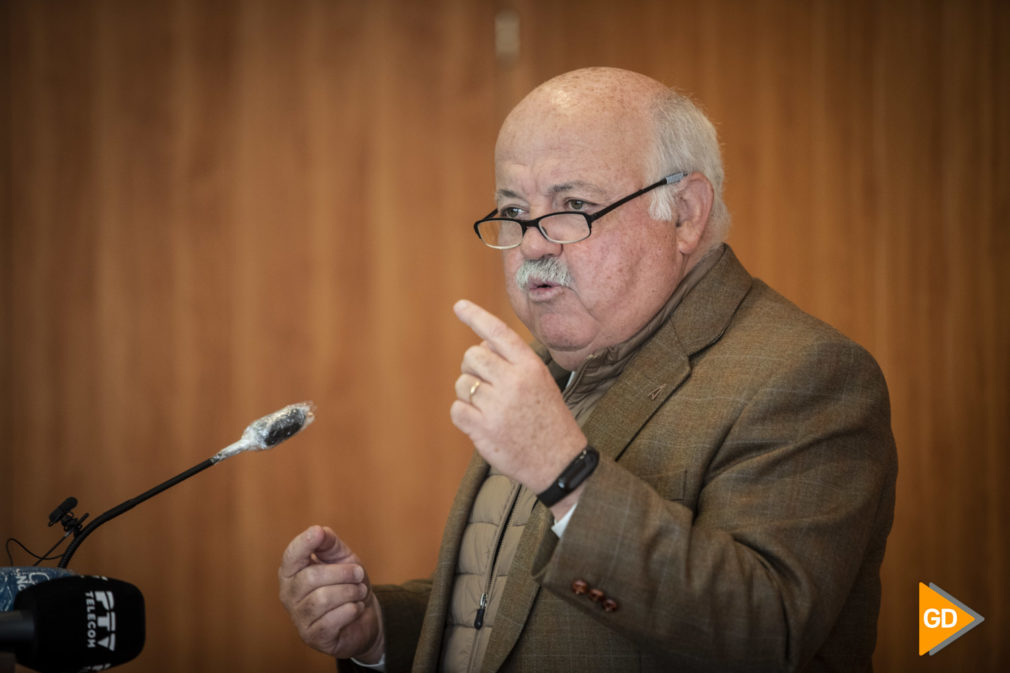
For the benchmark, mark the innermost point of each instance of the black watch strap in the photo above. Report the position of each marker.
(577, 471)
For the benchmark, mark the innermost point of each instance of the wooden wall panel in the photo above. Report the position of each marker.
(211, 210)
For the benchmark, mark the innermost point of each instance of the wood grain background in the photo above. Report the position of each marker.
(213, 209)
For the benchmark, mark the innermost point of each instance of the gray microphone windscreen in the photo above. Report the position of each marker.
(271, 430)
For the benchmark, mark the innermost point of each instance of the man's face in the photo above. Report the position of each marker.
(552, 160)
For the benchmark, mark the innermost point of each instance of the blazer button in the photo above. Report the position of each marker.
(579, 587)
(609, 605)
(595, 595)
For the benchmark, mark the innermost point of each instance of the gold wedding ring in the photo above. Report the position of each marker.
(473, 389)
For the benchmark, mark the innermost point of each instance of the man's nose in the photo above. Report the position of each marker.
(535, 245)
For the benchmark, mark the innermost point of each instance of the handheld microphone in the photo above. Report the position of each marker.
(76, 623)
(264, 433)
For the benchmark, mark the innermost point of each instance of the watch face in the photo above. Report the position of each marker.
(581, 467)
(578, 470)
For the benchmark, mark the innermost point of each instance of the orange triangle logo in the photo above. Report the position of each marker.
(942, 619)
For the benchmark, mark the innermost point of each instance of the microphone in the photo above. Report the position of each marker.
(78, 623)
(261, 434)
(269, 431)
(66, 507)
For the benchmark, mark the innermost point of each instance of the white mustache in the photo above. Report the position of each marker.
(546, 269)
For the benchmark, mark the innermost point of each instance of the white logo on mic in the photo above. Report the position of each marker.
(103, 624)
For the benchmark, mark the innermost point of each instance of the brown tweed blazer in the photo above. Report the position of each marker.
(737, 519)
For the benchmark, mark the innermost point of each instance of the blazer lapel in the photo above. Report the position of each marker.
(642, 388)
(663, 363)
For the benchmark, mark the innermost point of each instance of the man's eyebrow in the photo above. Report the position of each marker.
(506, 193)
(578, 184)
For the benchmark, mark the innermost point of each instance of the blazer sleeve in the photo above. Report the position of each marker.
(750, 569)
(403, 608)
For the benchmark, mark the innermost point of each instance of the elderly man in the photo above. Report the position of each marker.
(686, 473)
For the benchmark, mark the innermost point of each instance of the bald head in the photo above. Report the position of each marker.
(603, 104)
(626, 114)
(607, 91)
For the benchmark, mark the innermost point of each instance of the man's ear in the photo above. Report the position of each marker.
(694, 204)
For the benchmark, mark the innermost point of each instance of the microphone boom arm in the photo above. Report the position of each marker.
(126, 507)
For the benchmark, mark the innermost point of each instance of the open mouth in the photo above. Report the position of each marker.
(537, 284)
(543, 290)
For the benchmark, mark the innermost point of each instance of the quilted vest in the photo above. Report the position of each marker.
(496, 522)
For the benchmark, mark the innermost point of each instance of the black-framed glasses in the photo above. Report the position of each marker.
(502, 233)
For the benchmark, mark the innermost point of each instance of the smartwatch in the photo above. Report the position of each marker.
(571, 477)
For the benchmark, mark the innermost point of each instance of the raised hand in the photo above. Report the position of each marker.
(326, 591)
(510, 406)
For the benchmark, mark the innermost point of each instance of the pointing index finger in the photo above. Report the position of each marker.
(489, 327)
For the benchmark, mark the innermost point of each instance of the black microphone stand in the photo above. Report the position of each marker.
(126, 507)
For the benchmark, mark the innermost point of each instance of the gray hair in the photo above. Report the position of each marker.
(686, 141)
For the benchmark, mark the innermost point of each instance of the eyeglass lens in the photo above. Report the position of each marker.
(559, 228)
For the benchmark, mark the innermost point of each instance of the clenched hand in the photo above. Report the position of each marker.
(327, 593)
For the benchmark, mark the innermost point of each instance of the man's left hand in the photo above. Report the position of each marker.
(510, 406)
